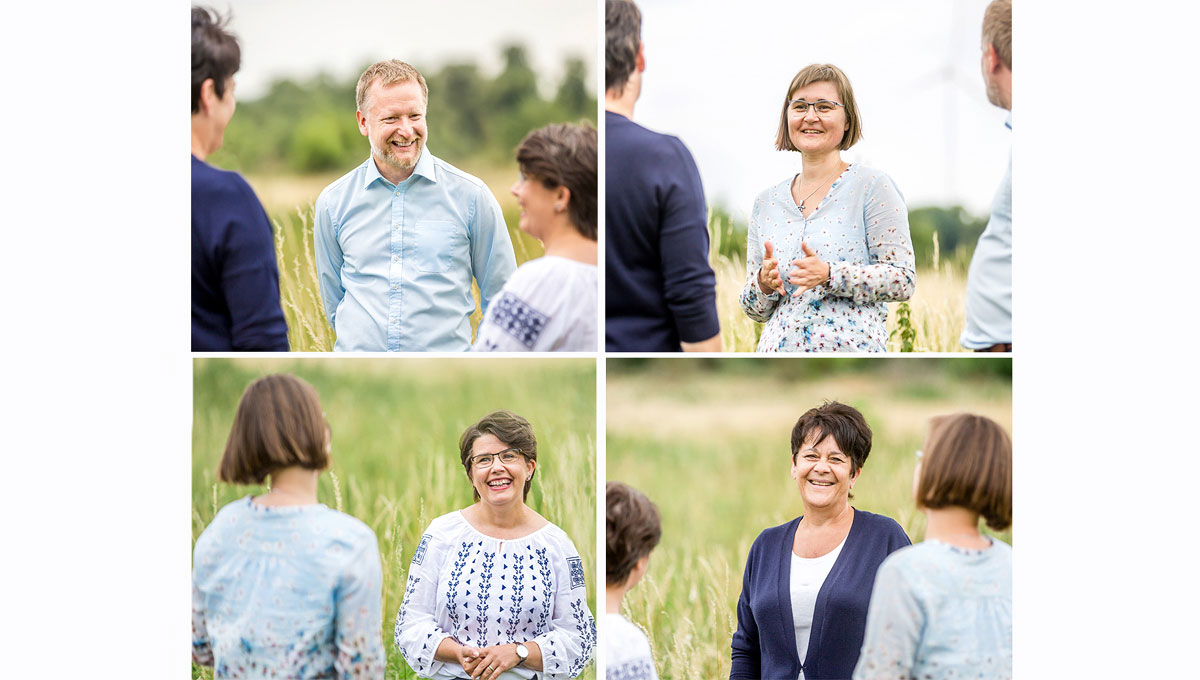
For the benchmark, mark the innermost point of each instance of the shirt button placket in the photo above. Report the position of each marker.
(396, 269)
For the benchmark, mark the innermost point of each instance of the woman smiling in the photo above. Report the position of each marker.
(495, 590)
(803, 606)
(829, 247)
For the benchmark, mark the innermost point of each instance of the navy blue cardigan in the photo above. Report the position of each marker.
(764, 646)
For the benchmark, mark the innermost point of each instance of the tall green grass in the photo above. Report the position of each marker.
(396, 425)
(710, 446)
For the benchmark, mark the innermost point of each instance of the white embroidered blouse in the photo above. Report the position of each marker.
(484, 591)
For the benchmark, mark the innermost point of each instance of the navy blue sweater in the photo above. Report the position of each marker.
(235, 280)
(764, 645)
(658, 287)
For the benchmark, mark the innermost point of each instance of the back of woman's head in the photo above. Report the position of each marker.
(967, 463)
(633, 528)
(279, 424)
(563, 155)
(215, 53)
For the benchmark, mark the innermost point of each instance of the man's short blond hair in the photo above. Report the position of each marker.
(997, 29)
(387, 72)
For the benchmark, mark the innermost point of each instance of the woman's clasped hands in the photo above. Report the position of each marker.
(807, 273)
(489, 662)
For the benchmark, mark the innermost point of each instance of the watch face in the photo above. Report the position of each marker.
(522, 651)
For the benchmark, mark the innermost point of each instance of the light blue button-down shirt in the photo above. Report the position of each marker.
(395, 261)
(989, 280)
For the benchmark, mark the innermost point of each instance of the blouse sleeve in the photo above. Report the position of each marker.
(417, 631)
(746, 658)
(568, 642)
(359, 615)
(894, 621)
(202, 652)
(757, 305)
(890, 274)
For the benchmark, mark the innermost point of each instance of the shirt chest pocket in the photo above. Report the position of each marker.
(436, 243)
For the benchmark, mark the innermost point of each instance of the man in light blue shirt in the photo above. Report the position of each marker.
(399, 238)
(989, 280)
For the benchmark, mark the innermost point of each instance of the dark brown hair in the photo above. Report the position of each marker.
(997, 29)
(968, 463)
(622, 38)
(633, 528)
(279, 424)
(834, 419)
(215, 53)
(562, 155)
(817, 73)
(511, 429)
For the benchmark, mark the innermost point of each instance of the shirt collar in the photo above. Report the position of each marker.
(424, 168)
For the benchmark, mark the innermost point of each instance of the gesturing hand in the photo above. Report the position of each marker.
(494, 661)
(769, 278)
(809, 271)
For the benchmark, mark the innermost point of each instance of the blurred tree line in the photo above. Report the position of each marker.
(914, 370)
(308, 127)
(957, 232)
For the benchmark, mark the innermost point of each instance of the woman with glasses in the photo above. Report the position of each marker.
(943, 608)
(495, 590)
(828, 248)
(803, 606)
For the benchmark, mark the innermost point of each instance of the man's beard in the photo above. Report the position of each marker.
(388, 156)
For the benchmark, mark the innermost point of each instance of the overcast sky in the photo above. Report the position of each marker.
(716, 78)
(299, 38)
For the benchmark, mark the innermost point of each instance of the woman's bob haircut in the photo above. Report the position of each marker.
(632, 529)
(511, 429)
(279, 424)
(817, 73)
(967, 463)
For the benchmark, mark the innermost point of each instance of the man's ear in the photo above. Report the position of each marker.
(362, 122)
(640, 62)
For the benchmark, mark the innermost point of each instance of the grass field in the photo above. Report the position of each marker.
(289, 201)
(396, 425)
(708, 442)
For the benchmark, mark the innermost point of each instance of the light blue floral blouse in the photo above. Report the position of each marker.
(287, 592)
(861, 230)
(940, 612)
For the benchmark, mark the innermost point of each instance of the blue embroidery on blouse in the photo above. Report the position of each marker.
(638, 669)
(517, 318)
(576, 567)
(419, 555)
(408, 591)
(515, 608)
(485, 586)
(586, 625)
(452, 585)
(547, 589)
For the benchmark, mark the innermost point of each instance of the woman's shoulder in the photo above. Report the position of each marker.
(775, 191)
(878, 523)
(532, 277)
(626, 640)
(448, 525)
(775, 536)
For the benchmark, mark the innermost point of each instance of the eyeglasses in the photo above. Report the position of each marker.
(487, 460)
(824, 107)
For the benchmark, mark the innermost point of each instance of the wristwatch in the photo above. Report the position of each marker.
(523, 653)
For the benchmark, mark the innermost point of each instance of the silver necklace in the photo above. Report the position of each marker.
(810, 194)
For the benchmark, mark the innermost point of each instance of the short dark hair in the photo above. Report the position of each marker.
(279, 423)
(834, 419)
(215, 53)
(622, 38)
(817, 73)
(997, 29)
(633, 528)
(563, 155)
(967, 463)
(509, 428)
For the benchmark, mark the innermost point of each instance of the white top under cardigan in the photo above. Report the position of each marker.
(485, 591)
(808, 575)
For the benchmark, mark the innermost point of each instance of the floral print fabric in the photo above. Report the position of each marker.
(484, 591)
(861, 230)
(287, 592)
